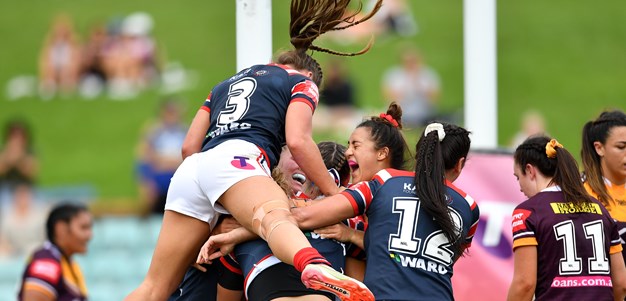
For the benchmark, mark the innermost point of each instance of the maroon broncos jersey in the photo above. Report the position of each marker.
(573, 246)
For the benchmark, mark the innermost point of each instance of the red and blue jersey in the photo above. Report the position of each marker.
(54, 275)
(252, 105)
(255, 256)
(407, 253)
(574, 244)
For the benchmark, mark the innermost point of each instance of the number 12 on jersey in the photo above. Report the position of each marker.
(406, 240)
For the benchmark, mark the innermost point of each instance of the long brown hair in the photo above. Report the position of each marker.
(598, 130)
(433, 156)
(562, 168)
(312, 18)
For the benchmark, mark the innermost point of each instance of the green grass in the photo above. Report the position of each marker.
(563, 58)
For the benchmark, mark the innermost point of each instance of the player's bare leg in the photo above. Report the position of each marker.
(180, 239)
(270, 217)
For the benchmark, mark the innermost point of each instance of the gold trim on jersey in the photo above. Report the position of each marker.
(615, 249)
(527, 241)
(73, 277)
(568, 208)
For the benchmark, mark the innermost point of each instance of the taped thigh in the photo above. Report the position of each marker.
(262, 211)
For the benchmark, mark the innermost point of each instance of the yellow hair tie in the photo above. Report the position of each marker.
(551, 148)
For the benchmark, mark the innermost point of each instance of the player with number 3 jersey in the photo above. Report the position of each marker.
(230, 148)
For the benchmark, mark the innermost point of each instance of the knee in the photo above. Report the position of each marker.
(270, 215)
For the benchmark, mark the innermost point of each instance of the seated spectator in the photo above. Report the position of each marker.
(337, 110)
(394, 17)
(414, 86)
(59, 60)
(93, 73)
(160, 154)
(532, 123)
(18, 163)
(130, 62)
(21, 226)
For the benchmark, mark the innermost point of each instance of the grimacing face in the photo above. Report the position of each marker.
(362, 155)
(291, 170)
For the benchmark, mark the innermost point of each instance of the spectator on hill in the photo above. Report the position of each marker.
(131, 60)
(93, 74)
(160, 154)
(21, 225)
(59, 59)
(415, 86)
(532, 123)
(18, 163)
(337, 108)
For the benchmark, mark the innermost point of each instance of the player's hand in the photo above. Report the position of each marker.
(199, 267)
(215, 247)
(337, 231)
(226, 224)
(300, 202)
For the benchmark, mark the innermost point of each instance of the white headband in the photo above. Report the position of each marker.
(436, 127)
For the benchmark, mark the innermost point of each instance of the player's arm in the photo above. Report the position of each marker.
(324, 212)
(525, 274)
(196, 133)
(42, 277)
(299, 136)
(342, 233)
(222, 244)
(618, 276)
(34, 295)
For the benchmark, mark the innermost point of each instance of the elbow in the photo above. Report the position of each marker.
(619, 289)
(188, 149)
(521, 289)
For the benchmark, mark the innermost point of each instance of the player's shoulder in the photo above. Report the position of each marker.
(457, 193)
(386, 174)
(47, 251)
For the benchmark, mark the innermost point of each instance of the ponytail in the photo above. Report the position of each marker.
(598, 130)
(553, 161)
(432, 161)
(312, 18)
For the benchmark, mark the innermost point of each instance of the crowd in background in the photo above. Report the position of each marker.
(119, 57)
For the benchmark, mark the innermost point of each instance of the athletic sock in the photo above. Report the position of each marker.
(306, 256)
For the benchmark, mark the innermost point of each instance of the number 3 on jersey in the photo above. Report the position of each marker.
(238, 101)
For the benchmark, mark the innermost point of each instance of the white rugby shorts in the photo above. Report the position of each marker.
(203, 177)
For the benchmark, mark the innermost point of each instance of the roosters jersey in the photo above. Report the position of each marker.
(252, 105)
(53, 275)
(407, 257)
(255, 256)
(573, 246)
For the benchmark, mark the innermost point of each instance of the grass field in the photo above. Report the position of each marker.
(564, 58)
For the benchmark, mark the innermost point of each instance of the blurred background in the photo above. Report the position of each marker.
(102, 90)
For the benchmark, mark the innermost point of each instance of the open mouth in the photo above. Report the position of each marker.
(353, 165)
(300, 178)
